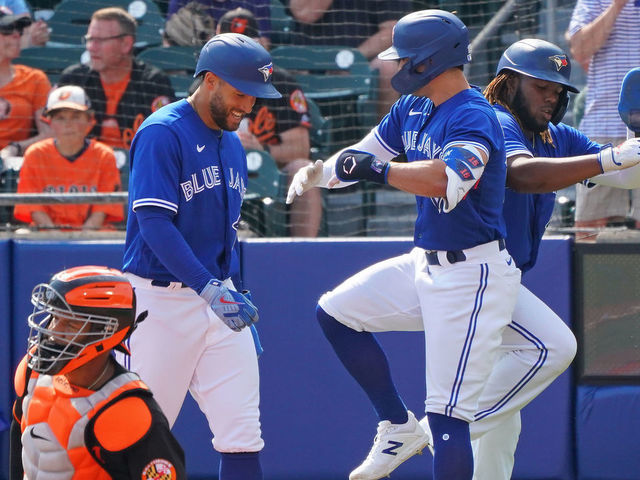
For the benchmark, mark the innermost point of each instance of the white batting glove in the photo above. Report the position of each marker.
(305, 179)
(625, 155)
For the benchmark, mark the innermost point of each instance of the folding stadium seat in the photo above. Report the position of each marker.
(340, 81)
(52, 60)
(263, 208)
(71, 18)
(179, 63)
(281, 23)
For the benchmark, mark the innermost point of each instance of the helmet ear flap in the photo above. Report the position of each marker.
(561, 108)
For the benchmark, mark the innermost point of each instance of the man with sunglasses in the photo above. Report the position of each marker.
(36, 32)
(123, 90)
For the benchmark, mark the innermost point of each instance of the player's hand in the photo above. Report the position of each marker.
(625, 155)
(353, 165)
(232, 307)
(305, 179)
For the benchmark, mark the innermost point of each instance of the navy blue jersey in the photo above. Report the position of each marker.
(198, 174)
(527, 214)
(422, 132)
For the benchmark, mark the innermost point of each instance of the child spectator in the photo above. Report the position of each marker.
(23, 91)
(69, 162)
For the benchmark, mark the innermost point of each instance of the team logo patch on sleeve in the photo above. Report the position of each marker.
(297, 101)
(159, 469)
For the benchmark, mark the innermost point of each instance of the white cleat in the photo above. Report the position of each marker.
(392, 446)
(424, 423)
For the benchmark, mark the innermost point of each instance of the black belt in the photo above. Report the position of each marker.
(453, 256)
(165, 283)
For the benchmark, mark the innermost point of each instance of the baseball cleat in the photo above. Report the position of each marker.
(393, 445)
(424, 423)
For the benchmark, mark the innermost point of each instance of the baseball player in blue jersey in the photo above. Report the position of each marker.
(530, 96)
(188, 179)
(458, 284)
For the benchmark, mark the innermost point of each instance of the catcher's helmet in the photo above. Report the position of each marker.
(241, 62)
(433, 38)
(81, 313)
(542, 60)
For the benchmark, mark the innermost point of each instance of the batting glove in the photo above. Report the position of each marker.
(353, 165)
(232, 307)
(625, 155)
(305, 179)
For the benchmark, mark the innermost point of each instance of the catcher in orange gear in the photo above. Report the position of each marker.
(79, 414)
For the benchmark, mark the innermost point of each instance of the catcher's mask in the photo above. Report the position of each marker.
(81, 313)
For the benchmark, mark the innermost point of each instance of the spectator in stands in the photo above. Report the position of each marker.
(362, 24)
(123, 90)
(36, 34)
(281, 127)
(69, 163)
(23, 91)
(190, 26)
(604, 39)
(217, 8)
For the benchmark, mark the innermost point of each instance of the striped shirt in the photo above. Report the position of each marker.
(619, 54)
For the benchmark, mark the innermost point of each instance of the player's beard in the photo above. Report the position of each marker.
(528, 121)
(220, 114)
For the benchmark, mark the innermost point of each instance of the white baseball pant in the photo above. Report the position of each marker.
(183, 346)
(537, 347)
(462, 308)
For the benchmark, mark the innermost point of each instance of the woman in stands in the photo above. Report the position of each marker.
(23, 91)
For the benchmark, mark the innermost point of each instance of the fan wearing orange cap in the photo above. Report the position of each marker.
(78, 413)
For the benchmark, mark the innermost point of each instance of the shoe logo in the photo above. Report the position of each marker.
(394, 446)
(200, 147)
(510, 261)
(36, 436)
(412, 113)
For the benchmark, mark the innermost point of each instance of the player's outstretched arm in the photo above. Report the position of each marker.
(322, 174)
(543, 175)
(623, 164)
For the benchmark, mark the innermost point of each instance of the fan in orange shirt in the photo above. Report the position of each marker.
(69, 162)
(23, 91)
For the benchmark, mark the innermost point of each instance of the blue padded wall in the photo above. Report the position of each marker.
(545, 449)
(6, 371)
(317, 424)
(608, 432)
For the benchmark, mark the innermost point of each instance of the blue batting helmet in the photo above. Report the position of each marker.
(241, 62)
(542, 60)
(433, 38)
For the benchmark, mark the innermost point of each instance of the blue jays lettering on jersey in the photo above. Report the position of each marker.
(197, 173)
(422, 131)
(526, 214)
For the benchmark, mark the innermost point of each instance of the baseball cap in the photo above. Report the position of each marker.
(69, 96)
(239, 20)
(8, 19)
